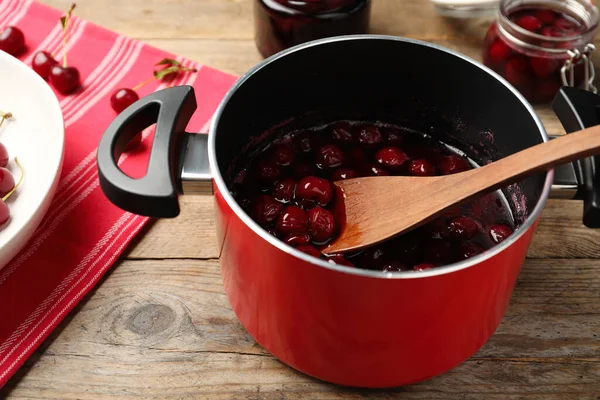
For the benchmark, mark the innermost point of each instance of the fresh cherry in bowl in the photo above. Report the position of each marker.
(286, 186)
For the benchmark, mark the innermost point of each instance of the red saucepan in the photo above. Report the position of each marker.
(347, 325)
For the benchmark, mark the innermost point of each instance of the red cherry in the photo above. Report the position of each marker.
(428, 152)
(369, 135)
(544, 67)
(394, 266)
(244, 202)
(12, 40)
(373, 170)
(297, 240)
(551, 31)
(266, 210)
(64, 79)
(421, 167)
(303, 169)
(310, 250)
(423, 267)
(391, 158)
(517, 71)
(283, 155)
(463, 228)
(499, 52)
(313, 188)
(469, 249)
(292, 220)
(4, 213)
(343, 173)
(356, 156)
(408, 248)
(437, 229)
(329, 156)
(341, 132)
(565, 25)
(7, 181)
(271, 231)
(42, 63)
(321, 224)
(339, 259)
(452, 164)
(284, 190)
(530, 23)
(439, 251)
(303, 142)
(546, 16)
(7, 188)
(123, 98)
(268, 171)
(499, 232)
(373, 258)
(393, 136)
(3, 155)
(240, 177)
(452, 212)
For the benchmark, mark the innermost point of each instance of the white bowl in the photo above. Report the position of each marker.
(36, 136)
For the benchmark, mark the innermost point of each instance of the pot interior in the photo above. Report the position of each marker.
(398, 81)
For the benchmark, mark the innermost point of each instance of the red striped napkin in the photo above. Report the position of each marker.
(83, 233)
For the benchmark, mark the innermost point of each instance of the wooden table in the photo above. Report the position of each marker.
(160, 326)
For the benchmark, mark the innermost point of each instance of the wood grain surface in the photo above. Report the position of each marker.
(160, 327)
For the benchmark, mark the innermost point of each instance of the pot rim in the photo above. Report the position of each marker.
(446, 269)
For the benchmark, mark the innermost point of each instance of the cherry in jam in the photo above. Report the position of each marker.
(287, 188)
(528, 47)
(280, 24)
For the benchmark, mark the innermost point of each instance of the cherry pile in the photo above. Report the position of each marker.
(286, 187)
(7, 181)
(63, 77)
(535, 75)
(66, 79)
(124, 97)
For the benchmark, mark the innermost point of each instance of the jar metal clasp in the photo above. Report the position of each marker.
(567, 72)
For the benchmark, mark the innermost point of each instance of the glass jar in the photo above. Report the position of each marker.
(466, 8)
(280, 24)
(541, 45)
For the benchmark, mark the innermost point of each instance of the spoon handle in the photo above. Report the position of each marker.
(541, 157)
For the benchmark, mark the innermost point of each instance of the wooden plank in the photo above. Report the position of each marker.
(561, 233)
(560, 223)
(233, 19)
(167, 19)
(164, 329)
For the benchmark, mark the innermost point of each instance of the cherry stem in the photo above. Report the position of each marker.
(65, 24)
(147, 81)
(7, 195)
(4, 116)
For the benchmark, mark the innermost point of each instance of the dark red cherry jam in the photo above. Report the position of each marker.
(529, 43)
(287, 188)
(280, 24)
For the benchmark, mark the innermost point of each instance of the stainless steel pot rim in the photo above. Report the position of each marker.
(218, 178)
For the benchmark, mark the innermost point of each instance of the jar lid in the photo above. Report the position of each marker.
(466, 8)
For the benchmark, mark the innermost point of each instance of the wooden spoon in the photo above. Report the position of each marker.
(378, 208)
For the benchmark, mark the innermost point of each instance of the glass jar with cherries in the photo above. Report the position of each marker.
(541, 45)
(280, 24)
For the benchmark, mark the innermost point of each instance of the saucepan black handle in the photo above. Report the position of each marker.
(579, 109)
(155, 194)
